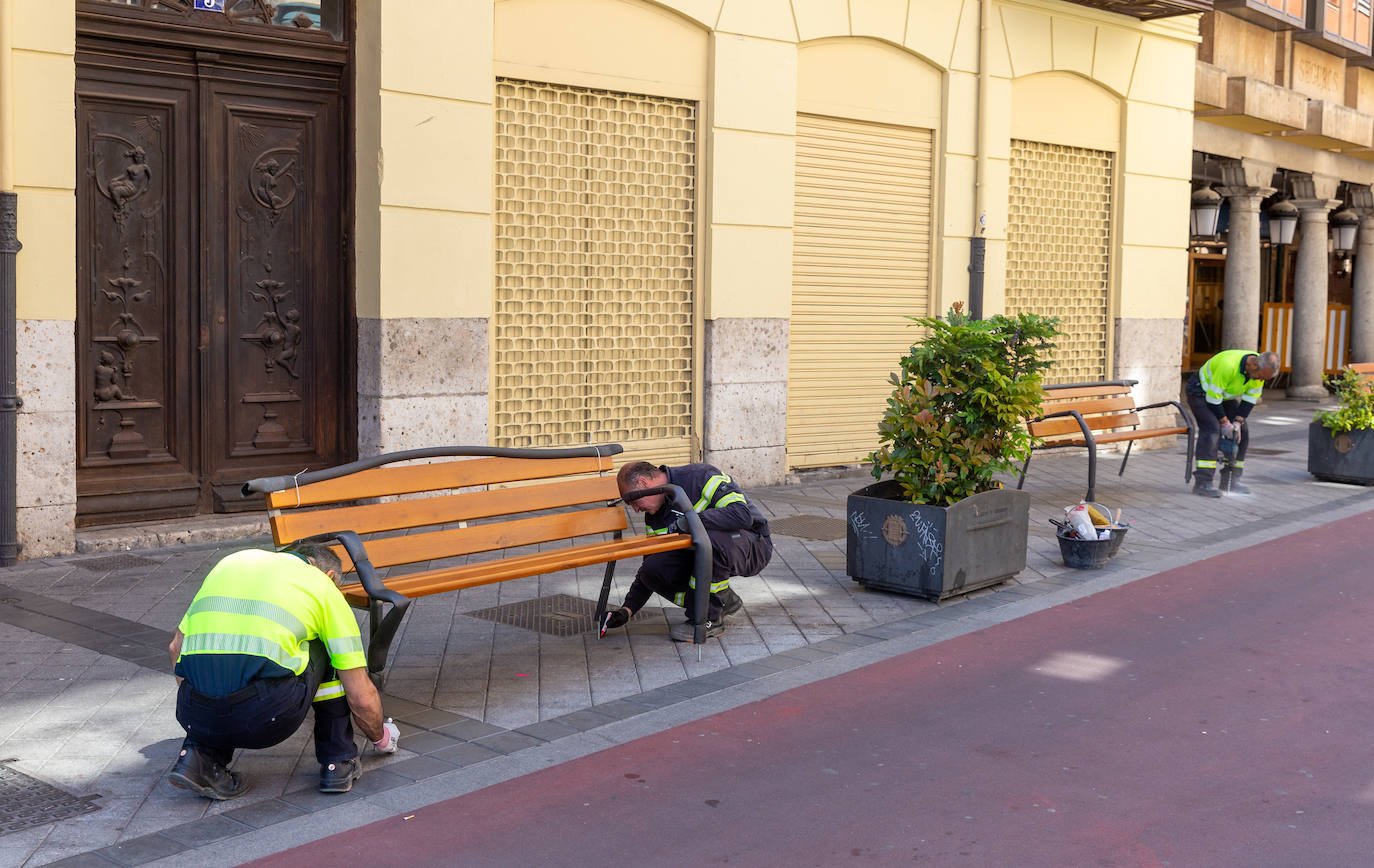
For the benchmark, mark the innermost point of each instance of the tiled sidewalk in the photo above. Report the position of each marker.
(88, 704)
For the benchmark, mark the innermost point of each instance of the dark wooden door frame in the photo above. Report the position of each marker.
(243, 70)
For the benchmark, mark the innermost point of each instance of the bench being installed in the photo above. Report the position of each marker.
(377, 515)
(1087, 414)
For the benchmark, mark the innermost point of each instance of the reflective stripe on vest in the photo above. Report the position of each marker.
(708, 491)
(346, 645)
(255, 608)
(329, 690)
(238, 643)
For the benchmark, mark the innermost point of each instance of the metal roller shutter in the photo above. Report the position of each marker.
(861, 265)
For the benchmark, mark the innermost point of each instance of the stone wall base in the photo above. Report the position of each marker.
(46, 431)
(422, 382)
(1151, 351)
(745, 430)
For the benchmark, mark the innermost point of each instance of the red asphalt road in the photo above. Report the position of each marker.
(1217, 714)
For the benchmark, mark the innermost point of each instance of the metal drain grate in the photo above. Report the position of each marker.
(1254, 451)
(26, 802)
(818, 527)
(557, 615)
(831, 560)
(111, 563)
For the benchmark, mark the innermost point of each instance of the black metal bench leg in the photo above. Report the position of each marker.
(1126, 457)
(1024, 465)
(605, 593)
(1092, 472)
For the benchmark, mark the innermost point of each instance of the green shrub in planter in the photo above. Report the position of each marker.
(954, 419)
(1340, 442)
(1356, 408)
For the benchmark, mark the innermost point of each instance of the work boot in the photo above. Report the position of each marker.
(1230, 482)
(730, 602)
(203, 776)
(1202, 486)
(686, 631)
(339, 777)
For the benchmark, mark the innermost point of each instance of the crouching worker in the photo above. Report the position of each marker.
(740, 543)
(268, 638)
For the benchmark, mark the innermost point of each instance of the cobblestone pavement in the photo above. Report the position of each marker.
(87, 702)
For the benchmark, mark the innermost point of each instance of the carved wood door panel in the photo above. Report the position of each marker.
(212, 317)
(136, 437)
(272, 274)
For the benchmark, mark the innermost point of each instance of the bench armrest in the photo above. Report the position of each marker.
(701, 550)
(267, 484)
(379, 643)
(1187, 419)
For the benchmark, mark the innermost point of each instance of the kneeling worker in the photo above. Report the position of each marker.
(740, 543)
(267, 638)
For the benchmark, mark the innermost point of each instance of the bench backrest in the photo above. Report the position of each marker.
(1365, 368)
(1103, 406)
(421, 505)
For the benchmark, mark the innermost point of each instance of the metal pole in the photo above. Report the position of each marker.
(10, 401)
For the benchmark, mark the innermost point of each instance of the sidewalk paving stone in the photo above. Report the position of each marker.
(89, 704)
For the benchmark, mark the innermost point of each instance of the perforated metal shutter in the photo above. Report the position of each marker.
(861, 265)
(1058, 250)
(595, 265)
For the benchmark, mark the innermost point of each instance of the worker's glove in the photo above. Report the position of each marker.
(390, 740)
(615, 618)
(1228, 430)
(679, 525)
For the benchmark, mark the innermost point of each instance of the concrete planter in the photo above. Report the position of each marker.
(935, 551)
(1345, 457)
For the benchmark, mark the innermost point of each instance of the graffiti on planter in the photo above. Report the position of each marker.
(926, 537)
(859, 522)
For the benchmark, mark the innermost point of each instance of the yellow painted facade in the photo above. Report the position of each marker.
(425, 123)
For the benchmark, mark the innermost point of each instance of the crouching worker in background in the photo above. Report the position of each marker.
(740, 543)
(268, 638)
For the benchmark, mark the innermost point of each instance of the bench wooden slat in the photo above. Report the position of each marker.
(414, 478)
(1098, 405)
(489, 572)
(390, 551)
(1062, 425)
(292, 525)
(1122, 436)
(1048, 396)
(1361, 367)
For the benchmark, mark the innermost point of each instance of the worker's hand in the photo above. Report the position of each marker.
(391, 737)
(1227, 429)
(616, 618)
(679, 525)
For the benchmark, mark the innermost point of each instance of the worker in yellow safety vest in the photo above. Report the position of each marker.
(268, 637)
(1221, 395)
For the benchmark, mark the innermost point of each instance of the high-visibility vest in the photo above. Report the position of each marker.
(271, 604)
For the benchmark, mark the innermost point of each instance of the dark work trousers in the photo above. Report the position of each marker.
(267, 712)
(669, 574)
(1208, 457)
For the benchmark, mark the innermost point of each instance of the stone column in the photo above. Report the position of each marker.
(1309, 299)
(1362, 308)
(1240, 313)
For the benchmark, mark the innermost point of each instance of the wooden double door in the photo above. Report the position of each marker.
(214, 338)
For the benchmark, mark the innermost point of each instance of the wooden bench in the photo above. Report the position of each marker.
(1364, 369)
(1088, 414)
(380, 513)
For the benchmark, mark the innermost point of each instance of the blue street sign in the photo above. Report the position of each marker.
(210, 5)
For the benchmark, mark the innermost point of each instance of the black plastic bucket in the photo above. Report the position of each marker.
(1118, 535)
(1085, 554)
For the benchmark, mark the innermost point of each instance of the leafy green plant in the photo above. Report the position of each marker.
(1355, 394)
(957, 407)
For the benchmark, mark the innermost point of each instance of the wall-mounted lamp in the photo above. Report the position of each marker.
(1345, 224)
(1203, 213)
(1283, 221)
